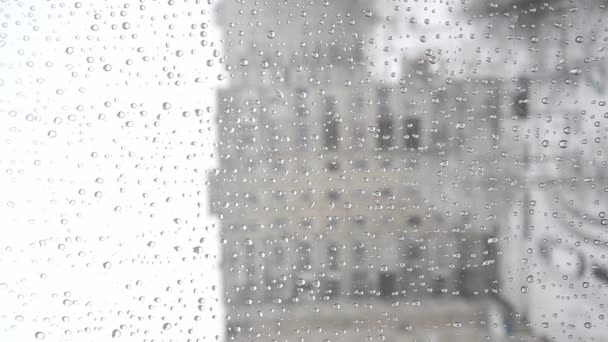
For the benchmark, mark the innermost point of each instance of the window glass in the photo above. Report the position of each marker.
(303, 170)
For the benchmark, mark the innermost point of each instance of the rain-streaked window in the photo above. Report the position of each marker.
(303, 170)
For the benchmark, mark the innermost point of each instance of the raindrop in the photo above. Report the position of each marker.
(576, 71)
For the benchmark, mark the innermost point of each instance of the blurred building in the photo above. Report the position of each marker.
(346, 201)
(553, 246)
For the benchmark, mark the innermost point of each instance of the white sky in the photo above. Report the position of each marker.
(56, 233)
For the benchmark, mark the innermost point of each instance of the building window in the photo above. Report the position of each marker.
(412, 133)
(333, 254)
(360, 220)
(333, 195)
(333, 165)
(361, 283)
(330, 125)
(414, 221)
(520, 103)
(306, 223)
(385, 120)
(303, 133)
(332, 222)
(303, 256)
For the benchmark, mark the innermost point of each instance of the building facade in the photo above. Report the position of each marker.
(346, 200)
